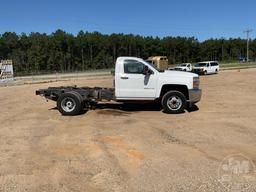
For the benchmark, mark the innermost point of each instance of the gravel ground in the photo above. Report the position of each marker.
(134, 148)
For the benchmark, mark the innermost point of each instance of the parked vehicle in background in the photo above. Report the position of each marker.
(184, 67)
(206, 67)
(136, 80)
(161, 62)
(242, 59)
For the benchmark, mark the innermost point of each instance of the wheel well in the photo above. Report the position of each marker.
(182, 88)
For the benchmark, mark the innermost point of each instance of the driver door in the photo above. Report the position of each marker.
(208, 68)
(133, 84)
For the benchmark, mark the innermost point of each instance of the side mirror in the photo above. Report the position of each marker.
(145, 70)
(150, 72)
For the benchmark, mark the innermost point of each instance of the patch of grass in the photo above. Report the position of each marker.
(237, 65)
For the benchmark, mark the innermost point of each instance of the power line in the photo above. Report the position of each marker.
(248, 31)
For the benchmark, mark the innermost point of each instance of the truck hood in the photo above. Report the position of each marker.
(183, 74)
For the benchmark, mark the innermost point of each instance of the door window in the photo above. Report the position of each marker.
(133, 67)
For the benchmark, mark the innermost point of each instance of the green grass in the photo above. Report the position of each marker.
(237, 65)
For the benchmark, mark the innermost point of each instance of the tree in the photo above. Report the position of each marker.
(61, 51)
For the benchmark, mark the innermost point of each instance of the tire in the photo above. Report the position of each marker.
(205, 72)
(216, 71)
(70, 103)
(80, 98)
(174, 102)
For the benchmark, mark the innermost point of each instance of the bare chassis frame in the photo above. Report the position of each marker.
(88, 94)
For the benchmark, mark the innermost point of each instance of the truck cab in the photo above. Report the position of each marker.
(136, 79)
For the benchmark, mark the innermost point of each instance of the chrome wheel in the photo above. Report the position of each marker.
(174, 103)
(68, 104)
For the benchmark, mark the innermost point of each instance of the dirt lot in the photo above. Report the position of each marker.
(128, 149)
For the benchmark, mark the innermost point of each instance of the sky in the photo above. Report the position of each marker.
(202, 19)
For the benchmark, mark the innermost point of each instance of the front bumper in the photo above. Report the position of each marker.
(194, 95)
(199, 71)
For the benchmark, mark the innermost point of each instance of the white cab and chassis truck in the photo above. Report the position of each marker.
(135, 81)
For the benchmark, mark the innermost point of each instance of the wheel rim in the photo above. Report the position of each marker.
(174, 103)
(68, 104)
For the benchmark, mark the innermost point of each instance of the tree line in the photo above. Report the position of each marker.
(64, 52)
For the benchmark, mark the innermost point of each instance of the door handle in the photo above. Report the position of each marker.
(124, 77)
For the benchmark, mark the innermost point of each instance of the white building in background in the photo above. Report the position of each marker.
(6, 70)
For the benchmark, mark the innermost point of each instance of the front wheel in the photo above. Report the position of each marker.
(174, 102)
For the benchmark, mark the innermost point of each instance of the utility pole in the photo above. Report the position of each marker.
(248, 31)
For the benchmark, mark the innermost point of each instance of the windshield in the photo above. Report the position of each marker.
(200, 64)
(152, 65)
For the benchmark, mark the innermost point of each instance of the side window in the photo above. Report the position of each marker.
(214, 64)
(133, 67)
(208, 65)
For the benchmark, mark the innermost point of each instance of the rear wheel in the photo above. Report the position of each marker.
(174, 102)
(70, 103)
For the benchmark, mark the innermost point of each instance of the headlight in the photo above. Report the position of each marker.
(195, 82)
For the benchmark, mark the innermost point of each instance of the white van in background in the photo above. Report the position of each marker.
(206, 67)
